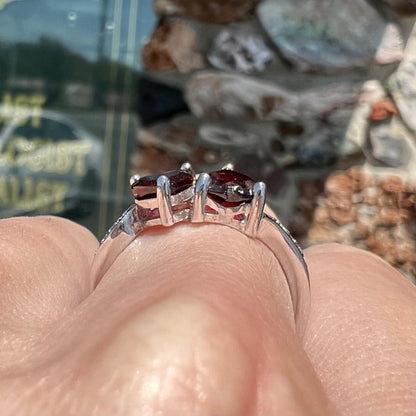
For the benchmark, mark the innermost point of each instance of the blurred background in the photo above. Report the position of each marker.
(315, 97)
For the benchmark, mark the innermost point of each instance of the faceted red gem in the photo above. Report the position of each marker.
(240, 217)
(145, 188)
(230, 188)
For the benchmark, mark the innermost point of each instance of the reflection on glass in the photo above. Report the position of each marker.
(68, 71)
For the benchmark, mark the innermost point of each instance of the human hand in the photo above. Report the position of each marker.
(197, 319)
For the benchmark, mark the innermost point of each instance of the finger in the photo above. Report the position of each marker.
(189, 320)
(361, 331)
(44, 272)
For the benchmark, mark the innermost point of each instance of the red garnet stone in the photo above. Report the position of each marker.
(230, 188)
(145, 188)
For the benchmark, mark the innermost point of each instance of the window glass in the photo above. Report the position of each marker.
(68, 114)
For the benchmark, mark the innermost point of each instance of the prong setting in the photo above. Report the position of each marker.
(164, 202)
(200, 197)
(134, 179)
(187, 167)
(256, 209)
(223, 197)
(228, 166)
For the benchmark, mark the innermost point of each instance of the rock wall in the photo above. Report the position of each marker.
(315, 97)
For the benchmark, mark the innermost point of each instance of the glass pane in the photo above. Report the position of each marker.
(68, 112)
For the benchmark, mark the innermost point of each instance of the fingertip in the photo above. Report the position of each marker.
(345, 259)
(45, 263)
(360, 335)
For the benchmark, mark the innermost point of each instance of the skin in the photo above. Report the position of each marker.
(197, 320)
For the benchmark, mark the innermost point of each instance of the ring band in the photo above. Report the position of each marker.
(223, 197)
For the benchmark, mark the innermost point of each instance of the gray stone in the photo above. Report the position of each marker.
(218, 144)
(240, 51)
(402, 83)
(320, 149)
(220, 95)
(223, 95)
(389, 143)
(391, 46)
(218, 136)
(329, 101)
(356, 133)
(329, 34)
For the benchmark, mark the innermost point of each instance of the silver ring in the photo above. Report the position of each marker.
(223, 197)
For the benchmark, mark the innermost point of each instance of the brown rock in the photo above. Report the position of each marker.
(172, 45)
(341, 216)
(388, 199)
(409, 201)
(341, 201)
(321, 215)
(176, 133)
(380, 243)
(370, 195)
(339, 184)
(402, 7)
(360, 179)
(209, 11)
(325, 233)
(362, 230)
(175, 138)
(390, 216)
(406, 254)
(373, 213)
(271, 103)
(392, 184)
(149, 159)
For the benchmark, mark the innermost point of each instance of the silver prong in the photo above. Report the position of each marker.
(134, 179)
(201, 189)
(256, 209)
(163, 201)
(228, 166)
(188, 167)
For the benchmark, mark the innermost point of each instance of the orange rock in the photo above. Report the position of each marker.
(380, 243)
(409, 201)
(342, 217)
(339, 184)
(378, 215)
(390, 216)
(360, 179)
(172, 45)
(342, 202)
(371, 195)
(325, 234)
(392, 184)
(361, 230)
(321, 214)
(383, 109)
